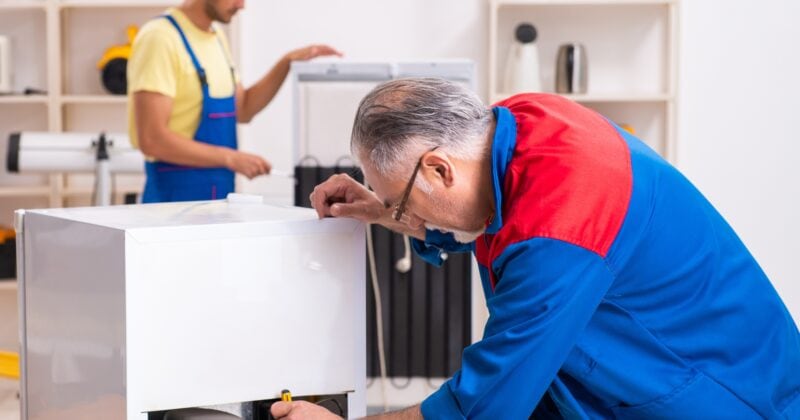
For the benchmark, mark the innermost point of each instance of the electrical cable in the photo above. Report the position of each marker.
(372, 344)
(403, 265)
(376, 293)
(433, 385)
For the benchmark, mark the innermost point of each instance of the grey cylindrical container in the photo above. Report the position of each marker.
(571, 69)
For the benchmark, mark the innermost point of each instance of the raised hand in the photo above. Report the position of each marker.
(312, 51)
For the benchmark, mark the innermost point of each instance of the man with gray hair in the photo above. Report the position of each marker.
(614, 288)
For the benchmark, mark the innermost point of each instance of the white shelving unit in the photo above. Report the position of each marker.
(55, 47)
(632, 57)
(94, 100)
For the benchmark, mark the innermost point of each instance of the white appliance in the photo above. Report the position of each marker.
(5, 64)
(327, 94)
(127, 311)
(522, 65)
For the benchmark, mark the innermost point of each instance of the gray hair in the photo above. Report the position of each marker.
(402, 118)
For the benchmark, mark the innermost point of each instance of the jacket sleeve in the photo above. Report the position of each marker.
(547, 291)
(435, 244)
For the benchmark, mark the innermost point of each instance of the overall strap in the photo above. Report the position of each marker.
(227, 57)
(201, 73)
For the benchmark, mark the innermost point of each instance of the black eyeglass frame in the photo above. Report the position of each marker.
(400, 208)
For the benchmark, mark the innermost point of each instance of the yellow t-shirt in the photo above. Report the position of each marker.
(160, 63)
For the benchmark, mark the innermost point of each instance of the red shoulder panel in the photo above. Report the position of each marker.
(569, 179)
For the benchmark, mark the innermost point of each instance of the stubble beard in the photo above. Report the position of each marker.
(214, 14)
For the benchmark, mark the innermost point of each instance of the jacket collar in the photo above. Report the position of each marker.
(503, 144)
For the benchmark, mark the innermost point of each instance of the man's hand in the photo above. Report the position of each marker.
(312, 51)
(252, 100)
(299, 410)
(247, 164)
(342, 196)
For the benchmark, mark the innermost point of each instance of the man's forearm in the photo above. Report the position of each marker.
(257, 96)
(171, 147)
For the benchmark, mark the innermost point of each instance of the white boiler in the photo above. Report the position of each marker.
(133, 311)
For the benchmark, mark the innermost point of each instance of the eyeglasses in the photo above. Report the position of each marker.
(400, 208)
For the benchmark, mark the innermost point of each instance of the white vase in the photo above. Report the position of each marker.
(522, 66)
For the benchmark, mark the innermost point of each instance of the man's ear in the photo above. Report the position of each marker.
(438, 168)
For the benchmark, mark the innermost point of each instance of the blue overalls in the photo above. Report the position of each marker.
(168, 182)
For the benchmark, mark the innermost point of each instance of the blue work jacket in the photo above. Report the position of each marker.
(614, 288)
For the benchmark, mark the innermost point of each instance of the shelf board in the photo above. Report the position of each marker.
(23, 191)
(22, 4)
(8, 284)
(633, 97)
(112, 3)
(605, 97)
(583, 2)
(23, 99)
(94, 99)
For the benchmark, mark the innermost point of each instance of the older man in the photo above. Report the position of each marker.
(614, 288)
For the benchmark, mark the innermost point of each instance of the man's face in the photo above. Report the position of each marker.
(223, 10)
(449, 206)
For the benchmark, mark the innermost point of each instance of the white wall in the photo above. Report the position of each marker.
(738, 124)
(738, 111)
(362, 29)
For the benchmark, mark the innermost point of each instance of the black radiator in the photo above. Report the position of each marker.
(426, 312)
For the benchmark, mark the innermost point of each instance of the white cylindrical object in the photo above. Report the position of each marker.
(73, 152)
(5, 65)
(129, 161)
(522, 65)
(571, 69)
(102, 191)
(37, 160)
(524, 69)
(46, 161)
